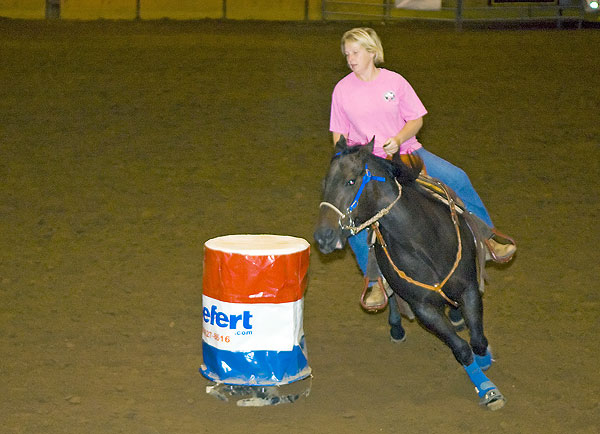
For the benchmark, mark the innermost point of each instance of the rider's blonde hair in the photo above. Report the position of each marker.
(368, 39)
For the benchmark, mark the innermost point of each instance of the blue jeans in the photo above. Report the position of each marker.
(360, 247)
(450, 175)
(455, 178)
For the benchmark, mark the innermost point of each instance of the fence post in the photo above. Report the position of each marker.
(459, 15)
(52, 9)
(386, 10)
(138, 7)
(224, 9)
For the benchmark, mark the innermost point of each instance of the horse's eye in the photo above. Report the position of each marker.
(351, 182)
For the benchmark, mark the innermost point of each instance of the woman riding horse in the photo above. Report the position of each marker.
(375, 102)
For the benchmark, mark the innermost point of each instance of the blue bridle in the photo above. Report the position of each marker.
(345, 221)
(367, 177)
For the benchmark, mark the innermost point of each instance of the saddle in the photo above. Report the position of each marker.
(490, 237)
(493, 239)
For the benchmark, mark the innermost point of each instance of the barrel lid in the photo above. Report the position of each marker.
(258, 244)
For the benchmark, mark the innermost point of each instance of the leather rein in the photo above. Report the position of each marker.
(373, 222)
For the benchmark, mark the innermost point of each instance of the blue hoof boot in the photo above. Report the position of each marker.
(397, 334)
(484, 362)
(488, 393)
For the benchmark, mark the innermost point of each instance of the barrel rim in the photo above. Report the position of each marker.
(291, 244)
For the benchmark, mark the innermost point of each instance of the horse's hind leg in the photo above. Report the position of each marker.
(397, 332)
(456, 318)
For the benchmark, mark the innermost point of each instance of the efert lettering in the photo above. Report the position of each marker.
(221, 319)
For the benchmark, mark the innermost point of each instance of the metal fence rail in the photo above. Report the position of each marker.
(460, 11)
(282, 10)
(457, 11)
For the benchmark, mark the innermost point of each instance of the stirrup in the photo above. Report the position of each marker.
(500, 239)
(377, 287)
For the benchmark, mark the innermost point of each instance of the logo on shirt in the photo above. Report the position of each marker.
(389, 95)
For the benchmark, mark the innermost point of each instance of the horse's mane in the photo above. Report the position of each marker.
(395, 167)
(402, 173)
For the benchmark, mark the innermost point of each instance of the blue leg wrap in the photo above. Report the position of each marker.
(484, 362)
(479, 379)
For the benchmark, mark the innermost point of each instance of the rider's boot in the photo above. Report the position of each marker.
(500, 247)
(374, 297)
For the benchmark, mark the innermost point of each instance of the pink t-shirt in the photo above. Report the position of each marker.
(380, 108)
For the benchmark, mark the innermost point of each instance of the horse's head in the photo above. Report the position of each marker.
(339, 189)
(354, 188)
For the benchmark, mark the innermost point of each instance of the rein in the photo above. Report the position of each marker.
(374, 223)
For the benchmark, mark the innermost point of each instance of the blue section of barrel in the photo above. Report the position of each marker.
(255, 368)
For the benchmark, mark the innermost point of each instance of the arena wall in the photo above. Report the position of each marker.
(23, 9)
(157, 9)
(282, 10)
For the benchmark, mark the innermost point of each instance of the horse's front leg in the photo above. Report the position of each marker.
(432, 317)
(472, 307)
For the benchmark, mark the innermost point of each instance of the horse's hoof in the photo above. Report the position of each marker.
(493, 400)
(397, 334)
(459, 325)
(456, 319)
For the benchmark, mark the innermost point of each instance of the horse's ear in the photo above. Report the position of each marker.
(369, 146)
(341, 145)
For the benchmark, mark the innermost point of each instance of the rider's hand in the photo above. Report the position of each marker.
(391, 146)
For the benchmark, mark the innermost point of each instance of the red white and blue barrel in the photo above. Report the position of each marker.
(252, 296)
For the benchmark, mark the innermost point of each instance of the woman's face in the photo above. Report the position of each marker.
(358, 58)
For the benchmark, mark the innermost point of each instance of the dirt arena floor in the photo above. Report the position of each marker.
(125, 146)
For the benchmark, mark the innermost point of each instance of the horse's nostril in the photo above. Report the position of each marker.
(323, 235)
(326, 240)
